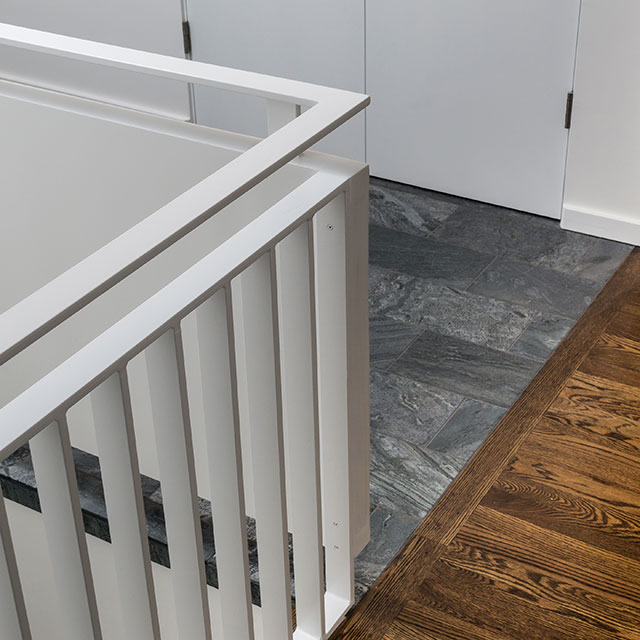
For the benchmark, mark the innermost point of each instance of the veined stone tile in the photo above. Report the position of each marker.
(407, 409)
(389, 531)
(406, 477)
(536, 287)
(388, 338)
(376, 274)
(542, 336)
(602, 260)
(424, 257)
(478, 319)
(467, 430)
(465, 368)
(409, 209)
(520, 235)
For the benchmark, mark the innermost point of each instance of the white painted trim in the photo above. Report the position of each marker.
(601, 224)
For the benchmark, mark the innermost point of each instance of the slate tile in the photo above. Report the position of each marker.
(602, 260)
(388, 338)
(542, 336)
(389, 531)
(407, 209)
(407, 409)
(474, 318)
(406, 477)
(467, 429)
(536, 287)
(466, 368)
(86, 462)
(376, 275)
(360, 590)
(424, 257)
(520, 235)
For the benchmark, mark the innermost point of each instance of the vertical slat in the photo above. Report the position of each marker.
(58, 492)
(169, 407)
(123, 495)
(13, 613)
(280, 113)
(301, 427)
(220, 400)
(263, 384)
(357, 290)
(331, 344)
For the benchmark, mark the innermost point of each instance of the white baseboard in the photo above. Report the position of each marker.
(603, 225)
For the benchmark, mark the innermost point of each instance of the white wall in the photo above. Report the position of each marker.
(602, 192)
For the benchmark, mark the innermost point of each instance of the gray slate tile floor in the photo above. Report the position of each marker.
(466, 301)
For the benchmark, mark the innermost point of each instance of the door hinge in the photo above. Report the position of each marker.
(186, 37)
(569, 111)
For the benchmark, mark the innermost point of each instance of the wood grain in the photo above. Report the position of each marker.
(539, 535)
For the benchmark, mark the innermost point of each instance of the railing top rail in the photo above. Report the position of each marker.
(156, 64)
(32, 410)
(37, 314)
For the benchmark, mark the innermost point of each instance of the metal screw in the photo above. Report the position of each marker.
(330, 227)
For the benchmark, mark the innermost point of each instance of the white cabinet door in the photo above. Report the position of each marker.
(150, 25)
(469, 96)
(319, 42)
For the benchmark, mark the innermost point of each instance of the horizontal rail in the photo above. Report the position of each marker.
(26, 415)
(169, 67)
(40, 312)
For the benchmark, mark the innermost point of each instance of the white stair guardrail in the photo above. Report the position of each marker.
(298, 296)
(284, 236)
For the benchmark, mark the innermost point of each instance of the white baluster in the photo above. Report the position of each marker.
(301, 427)
(58, 492)
(123, 495)
(222, 431)
(263, 384)
(13, 613)
(331, 337)
(169, 407)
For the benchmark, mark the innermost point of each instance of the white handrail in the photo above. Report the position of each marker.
(37, 314)
(156, 64)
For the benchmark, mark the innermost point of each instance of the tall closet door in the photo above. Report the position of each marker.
(320, 42)
(469, 96)
(149, 25)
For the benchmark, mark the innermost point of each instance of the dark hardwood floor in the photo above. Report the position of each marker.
(538, 538)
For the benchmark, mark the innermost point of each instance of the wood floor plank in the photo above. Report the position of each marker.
(418, 621)
(517, 527)
(608, 395)
(582, 469)
(616, 358)
(594, 434)
(499, 536)
(565, 512)
(626, 323)
(538, 599)
(567, 420)
(501, 597)
(631, 306)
